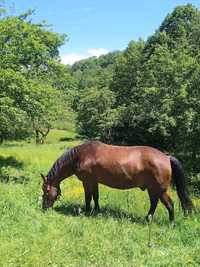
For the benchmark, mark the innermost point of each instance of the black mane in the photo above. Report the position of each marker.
(65, 159)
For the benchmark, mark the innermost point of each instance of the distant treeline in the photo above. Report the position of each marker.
(148, 94)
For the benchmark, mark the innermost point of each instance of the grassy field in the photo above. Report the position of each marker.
(64, 236)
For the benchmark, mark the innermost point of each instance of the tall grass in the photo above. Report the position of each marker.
(64, 236)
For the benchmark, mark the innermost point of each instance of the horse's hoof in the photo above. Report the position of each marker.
(79, 211)
(149, 218)
(94, 212)
(172, 224)
(87, 212)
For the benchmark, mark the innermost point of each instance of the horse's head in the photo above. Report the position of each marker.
(50, 193)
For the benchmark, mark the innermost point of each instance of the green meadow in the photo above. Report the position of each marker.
(64, 236)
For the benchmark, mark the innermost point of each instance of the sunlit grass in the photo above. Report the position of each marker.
(64, 236)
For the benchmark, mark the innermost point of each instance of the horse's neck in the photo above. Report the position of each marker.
(63, 167)
(61, 174)
(56, 182)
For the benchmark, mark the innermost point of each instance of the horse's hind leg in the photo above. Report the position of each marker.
(153, 204)
(167, 201)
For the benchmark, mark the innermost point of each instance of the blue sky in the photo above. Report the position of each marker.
(95, 27)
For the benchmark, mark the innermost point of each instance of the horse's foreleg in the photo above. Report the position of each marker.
(153, 205)
(167, 201)
(88, 196)
(96, 197)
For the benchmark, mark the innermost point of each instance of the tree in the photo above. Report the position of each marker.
(95, 115)
(27, 106)
(26, 47)
(126, 72)
(32, 79)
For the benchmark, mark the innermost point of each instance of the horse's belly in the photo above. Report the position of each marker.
(119, 176)
(120, 180)
(117, 183)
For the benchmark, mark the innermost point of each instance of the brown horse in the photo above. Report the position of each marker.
(118, 167)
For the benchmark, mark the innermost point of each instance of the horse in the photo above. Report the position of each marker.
(120, 167)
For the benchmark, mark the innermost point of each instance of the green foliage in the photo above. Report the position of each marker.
(95, 115)
(33, 83)
(27, 47)
(14, 120)
(126, 72)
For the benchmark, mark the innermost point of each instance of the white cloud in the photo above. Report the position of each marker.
(97, 52)
(74, 57)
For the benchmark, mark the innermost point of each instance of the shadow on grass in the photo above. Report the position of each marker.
(10, 170)
(68, 139)
(10, 161)
(105, 212)
(14, 144)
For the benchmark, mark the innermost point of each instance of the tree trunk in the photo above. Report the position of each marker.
(37, 137)
(43, 135)
(40, 136)
(1, 139)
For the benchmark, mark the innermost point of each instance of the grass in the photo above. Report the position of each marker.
(64, 236)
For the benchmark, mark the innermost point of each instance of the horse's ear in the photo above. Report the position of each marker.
(43, 177)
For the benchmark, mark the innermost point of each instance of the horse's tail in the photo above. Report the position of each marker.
(180, 182)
